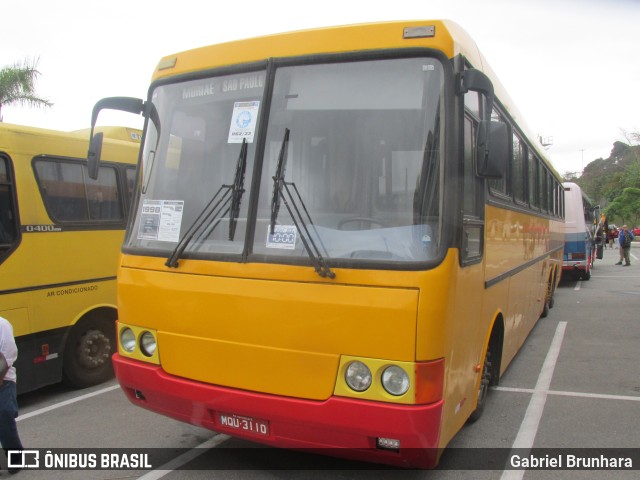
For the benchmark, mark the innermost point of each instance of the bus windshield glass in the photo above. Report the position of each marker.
(361, 161)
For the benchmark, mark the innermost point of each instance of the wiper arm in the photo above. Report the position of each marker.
(209, 213)
(226, 200)
(281, 190)
(237, 189)
(278, 180)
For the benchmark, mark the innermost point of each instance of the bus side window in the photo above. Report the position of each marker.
(70, 196)
(103, 200)
(518, 169)
(472, 201)
(534, 200)
(8, 215)
(130, 185)
(499, 186)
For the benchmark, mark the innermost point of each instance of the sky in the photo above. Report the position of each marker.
(571, 66)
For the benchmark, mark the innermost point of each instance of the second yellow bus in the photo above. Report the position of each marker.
(60, 238)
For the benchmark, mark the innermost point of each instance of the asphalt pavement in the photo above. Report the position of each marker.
(573, 388)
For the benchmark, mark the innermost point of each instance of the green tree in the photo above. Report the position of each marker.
(626, 206)
(605, 179)
(17, 86)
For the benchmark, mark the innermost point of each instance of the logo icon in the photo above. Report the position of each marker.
(23, 459)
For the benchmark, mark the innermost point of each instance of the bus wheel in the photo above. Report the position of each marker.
(549, 298)
(586, 275)
(87, 356)
(545, 309)
(483, 391)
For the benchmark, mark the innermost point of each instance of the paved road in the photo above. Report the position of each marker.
(575, 384)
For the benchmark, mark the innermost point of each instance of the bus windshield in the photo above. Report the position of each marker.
(363, 163)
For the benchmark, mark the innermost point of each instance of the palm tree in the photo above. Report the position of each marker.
(17, 86)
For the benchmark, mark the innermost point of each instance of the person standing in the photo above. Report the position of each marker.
(611, 239)
(624, 239)
(8, 395)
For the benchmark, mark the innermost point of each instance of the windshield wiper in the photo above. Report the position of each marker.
(282, 191)
(237, 189)
(226, 200)
(279, 178)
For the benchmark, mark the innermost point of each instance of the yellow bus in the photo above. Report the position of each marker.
(60, 237)
(340, 239)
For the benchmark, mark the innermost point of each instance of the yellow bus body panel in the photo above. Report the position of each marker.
(510, 283)
(279, 330)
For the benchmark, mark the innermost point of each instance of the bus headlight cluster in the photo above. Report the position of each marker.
(127, 340)
(358, 376)
(146, 341)
(393, 378)
(148, 344)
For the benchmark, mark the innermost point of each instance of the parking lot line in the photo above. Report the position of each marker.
(66, 402)
(531, 421)
(185, 458)
(571, 394)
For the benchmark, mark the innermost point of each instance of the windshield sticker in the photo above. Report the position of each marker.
(243, 121)
(283, 236)
(161, 220)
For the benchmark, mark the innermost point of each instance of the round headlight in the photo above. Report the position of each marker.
(127, 340)
(148, 344)
(395, 380)
(358, 376)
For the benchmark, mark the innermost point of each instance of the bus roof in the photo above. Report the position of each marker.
(447, 37)
(571, 186)
(339, 39)
(125, 134)
(113, 133)
(21, 138)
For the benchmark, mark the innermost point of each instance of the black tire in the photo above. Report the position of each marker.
(483, 391)
(545, 309)
(87, 353)
(548, 301)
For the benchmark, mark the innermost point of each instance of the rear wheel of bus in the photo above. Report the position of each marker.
(549, 297)
(88, 350)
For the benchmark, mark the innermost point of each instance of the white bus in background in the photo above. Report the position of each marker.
(580, 229)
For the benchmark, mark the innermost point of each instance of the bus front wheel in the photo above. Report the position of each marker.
(87, 356)
(483, 391)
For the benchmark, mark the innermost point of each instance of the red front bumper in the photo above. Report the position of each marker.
(339, 426)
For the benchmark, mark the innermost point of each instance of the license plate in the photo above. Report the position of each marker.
(252, 425)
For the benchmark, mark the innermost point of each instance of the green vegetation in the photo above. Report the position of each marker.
(17, 86)
(614, 182)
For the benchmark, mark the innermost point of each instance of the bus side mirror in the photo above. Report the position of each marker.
(93, 155)
(492, 162)
(125, 104)
(493, 140)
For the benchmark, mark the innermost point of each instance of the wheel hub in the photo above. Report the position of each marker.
(94, 349)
